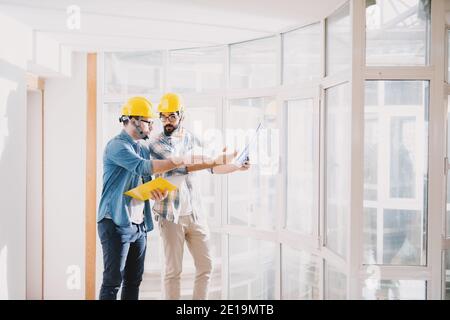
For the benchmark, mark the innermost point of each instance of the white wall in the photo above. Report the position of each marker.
(15, 41)
(64, 174)
(65, 106)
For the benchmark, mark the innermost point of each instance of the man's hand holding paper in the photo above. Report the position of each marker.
(156, 189)
(158, 194)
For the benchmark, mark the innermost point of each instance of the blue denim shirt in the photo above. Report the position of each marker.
(125, 161)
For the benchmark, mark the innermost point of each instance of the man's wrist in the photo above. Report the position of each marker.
(177, 161)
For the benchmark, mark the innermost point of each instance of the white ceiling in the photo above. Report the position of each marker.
(117, 25)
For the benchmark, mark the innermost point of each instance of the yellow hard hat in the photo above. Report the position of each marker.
(171, 102)
(138, 107)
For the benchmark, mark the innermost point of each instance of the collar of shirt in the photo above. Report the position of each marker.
(171, 140)
(124, 135)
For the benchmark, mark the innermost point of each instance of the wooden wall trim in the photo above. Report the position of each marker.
(91, 174)
(34, 82)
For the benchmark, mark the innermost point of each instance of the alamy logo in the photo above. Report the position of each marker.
(73, 277)
(73, 21)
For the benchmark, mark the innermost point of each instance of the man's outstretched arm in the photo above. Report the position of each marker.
(230, 168)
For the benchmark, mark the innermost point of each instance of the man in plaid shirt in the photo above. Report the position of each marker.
(163, 147)
(180, 217)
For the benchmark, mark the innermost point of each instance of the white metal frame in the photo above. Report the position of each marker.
(355, 237)
(331, 258)
(445, 232)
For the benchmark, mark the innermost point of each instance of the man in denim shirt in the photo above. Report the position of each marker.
(123, 222)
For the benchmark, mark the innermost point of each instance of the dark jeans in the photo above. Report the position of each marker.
(123, 259)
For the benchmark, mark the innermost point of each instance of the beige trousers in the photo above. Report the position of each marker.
(196, 237)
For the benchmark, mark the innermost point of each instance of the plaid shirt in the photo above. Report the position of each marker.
(162, 147)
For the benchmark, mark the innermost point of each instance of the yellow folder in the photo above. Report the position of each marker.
(142, 192)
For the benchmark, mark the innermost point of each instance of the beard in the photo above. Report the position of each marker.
(169, 129)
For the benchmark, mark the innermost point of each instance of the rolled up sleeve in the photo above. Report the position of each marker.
(124, 156)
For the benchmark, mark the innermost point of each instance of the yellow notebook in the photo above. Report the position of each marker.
(142, 192)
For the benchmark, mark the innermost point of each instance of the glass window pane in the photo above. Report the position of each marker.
(402, 93)
(252, 269)
(371, 95)
(396, 173)
(394, 290)
(398, 32)
(302, 54)
(134, 73)
(300, 275)
(338, 139)
(370, 236)
(402, 182)
(253, 194)
(202, 119)
(339, 44)
(335, 284)
(302, 147)
(197, 70)
(253, 64)
(403, 237)
(370, 157)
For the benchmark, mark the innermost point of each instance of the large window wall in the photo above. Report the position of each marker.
(339, 202)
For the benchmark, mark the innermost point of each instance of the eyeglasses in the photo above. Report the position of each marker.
(150, 123)
(171, 118)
